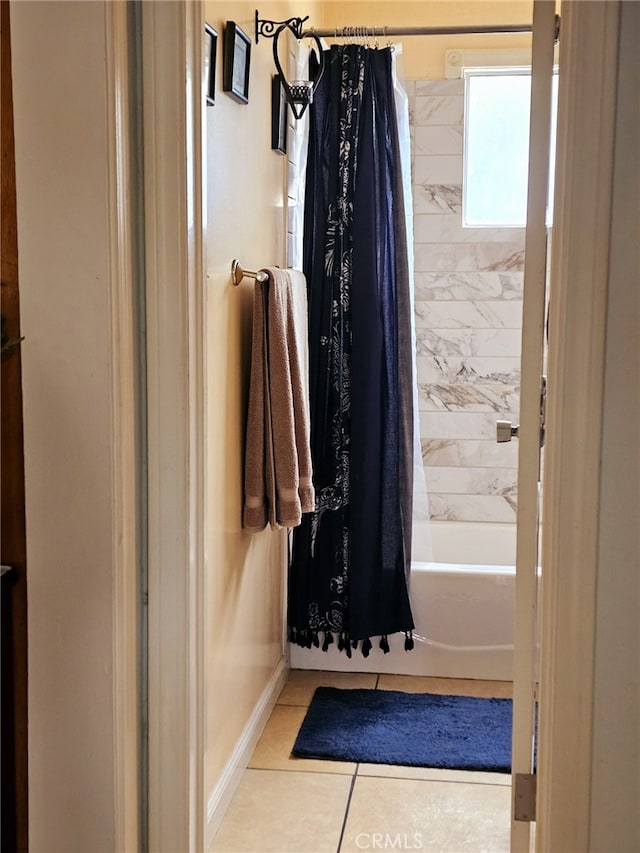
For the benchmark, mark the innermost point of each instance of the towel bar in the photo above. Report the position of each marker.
(238, 273)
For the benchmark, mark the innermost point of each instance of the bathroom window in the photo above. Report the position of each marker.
(496, 146)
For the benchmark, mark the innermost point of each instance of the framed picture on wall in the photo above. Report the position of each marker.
(209, 71)
(278, 115)
(237, 59)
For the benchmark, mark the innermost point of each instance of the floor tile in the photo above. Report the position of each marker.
(302, 683)
(273, 751)
(278, 812)
(436, 816)
(451, 686)
(434, 774)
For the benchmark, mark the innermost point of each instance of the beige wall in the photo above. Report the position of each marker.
(246, 213)
(63, 231)
(423, 57)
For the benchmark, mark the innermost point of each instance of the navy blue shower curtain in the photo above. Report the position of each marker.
(348, 571)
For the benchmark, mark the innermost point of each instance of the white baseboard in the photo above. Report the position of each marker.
(222, 794)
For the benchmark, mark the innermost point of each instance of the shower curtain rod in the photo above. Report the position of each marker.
(370, 32)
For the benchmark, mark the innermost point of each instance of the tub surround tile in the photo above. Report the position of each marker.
(273, 751)
(472, 286)
(472, 481)
(480, 508)
(449, 343)
(481, 314)
(280, 812)
(437, 169)
(448, 228)
(437, 109)
(410, 88)
(437, 198)
(438, 87)
(445, 257)
(468, 257)
(473, 425)
(468, 312)
(451, 452)
(462, 397)
(500, 256)
(436, 816)
(487, 370)
(438, 139)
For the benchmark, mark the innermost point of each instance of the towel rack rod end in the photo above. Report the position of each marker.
(238, 273)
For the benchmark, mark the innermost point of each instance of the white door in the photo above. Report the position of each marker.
(531, 393)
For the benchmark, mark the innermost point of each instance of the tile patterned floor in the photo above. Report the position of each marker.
(294, 805)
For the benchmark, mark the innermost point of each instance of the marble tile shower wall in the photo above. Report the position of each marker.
(468, 318)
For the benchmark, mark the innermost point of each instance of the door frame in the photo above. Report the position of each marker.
(532, 366)
(173, 180)
(172, 37)
(571, 504)
(124, 408)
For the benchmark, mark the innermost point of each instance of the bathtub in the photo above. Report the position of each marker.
(462, 597)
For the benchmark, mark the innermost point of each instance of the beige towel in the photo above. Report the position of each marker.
(278, 473)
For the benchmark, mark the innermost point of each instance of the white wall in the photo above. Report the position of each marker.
(615, 818)
(63, 160)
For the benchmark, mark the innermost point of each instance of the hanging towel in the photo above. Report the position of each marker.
(278, 474)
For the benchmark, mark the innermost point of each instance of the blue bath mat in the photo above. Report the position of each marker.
(413, 729)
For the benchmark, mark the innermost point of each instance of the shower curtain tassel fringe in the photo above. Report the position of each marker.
(366, 647)
(408, 641)
(384, 644)
(328, 639)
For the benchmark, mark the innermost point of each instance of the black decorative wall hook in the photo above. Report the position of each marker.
(267, 29)
(299, 94)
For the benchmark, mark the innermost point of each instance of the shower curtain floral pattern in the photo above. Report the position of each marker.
(348, 572)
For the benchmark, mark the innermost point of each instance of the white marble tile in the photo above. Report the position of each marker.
(448, 228)
(461, 342)
(461, 397)
(410, 88)
(438, 109)
(437, 169)
(468, 285)
(471, 508)
(437, 198)
(449, 257)
(455, 314)
(438, 139)
(473, 425)
(468, 370)
(463, 452)
(439, 87)
(468, 257)
(500, 256)
(471, 481)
